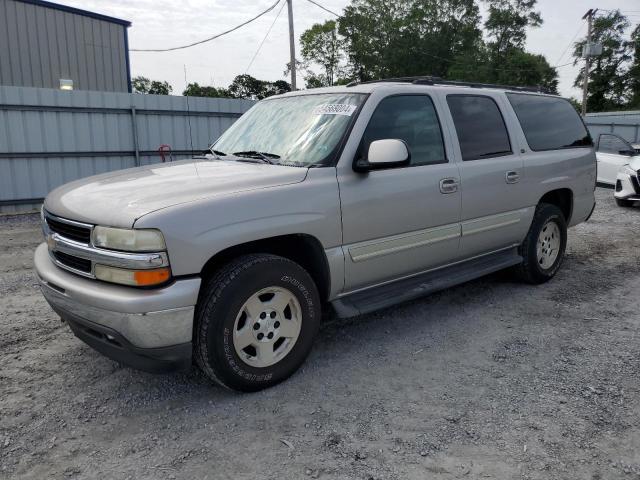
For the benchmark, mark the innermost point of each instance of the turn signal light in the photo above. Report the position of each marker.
(135, 278)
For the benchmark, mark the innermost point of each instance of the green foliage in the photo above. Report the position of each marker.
(408, 37)
(321, 47)
(514, 67)
(612, 74)
(196, 90)
(634, 71)
(152, 87)
(246, 86)
(383, 39)
(507, 23)
(243, 86)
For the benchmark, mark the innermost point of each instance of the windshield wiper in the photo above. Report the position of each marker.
(264, 156)
(217, 153)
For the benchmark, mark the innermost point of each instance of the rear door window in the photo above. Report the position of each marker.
(549, 123)
(480, 127)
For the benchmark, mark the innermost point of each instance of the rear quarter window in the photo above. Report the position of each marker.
(549, 123)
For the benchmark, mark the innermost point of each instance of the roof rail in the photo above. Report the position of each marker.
(430, 80)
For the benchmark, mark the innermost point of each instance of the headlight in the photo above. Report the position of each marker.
(136, 278)
(628, 170)
(128, 240)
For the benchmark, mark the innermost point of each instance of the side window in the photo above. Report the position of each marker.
(411, 118)
(481, 129)
(613, 144)
(549, 123)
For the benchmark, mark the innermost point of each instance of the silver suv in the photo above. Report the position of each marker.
(352, 198)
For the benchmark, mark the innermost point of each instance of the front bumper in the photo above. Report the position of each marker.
(627, 187)
(147, 329)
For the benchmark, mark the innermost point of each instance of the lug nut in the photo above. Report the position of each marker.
(256, 326)
(263, 315)
(260, 336)
(276, 324)
(270, 336)
(273, 314)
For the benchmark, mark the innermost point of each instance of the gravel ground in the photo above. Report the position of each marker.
(491, 379)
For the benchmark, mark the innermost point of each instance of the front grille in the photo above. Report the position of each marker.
(72, 232)
(73, 262)
(636, 184)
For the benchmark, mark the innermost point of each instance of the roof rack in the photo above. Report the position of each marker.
(430, 80)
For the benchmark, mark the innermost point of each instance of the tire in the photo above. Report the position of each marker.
(621, 202)
(269, 295)
(540, 265)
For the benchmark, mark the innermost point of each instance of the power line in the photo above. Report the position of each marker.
(324, 8)
(265, 37)
(571, 42)
(210, 38)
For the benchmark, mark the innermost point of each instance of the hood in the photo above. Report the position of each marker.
(119, 198)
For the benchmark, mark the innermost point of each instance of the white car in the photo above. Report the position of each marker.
(619, 167)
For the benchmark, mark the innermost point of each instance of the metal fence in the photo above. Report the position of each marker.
(51, 137)
(625, 124)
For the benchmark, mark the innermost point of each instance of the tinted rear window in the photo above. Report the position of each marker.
(549, 123)
(480, 127)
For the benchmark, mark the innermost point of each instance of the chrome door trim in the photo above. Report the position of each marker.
(399, 243)
(492, 222)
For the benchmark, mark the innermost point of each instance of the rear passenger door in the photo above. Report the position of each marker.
(612, 153)
(493, 209)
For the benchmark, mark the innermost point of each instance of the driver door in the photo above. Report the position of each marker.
(400, 221)
(612, 153)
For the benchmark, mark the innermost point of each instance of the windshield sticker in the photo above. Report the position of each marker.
(335, 109)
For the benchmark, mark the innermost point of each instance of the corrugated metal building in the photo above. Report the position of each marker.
(626, 124)
(43, 43)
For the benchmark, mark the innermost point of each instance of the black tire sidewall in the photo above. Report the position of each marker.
(547, 213)
(224, 361)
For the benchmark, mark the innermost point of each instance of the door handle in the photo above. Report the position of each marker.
(448, 185)
(512, 177)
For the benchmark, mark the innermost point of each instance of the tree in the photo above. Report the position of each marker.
(610, 78)
(321, 46)
(196, 90)
(410, 37)
(152, 87)
(246, 86)
(503, 59)
(634, 71)
(507, 23)
(516, 68)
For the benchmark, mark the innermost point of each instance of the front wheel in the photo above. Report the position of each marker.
(255, 322)
(543, 248)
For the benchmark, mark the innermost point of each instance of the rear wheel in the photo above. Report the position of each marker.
(255, 322)
(543, 248)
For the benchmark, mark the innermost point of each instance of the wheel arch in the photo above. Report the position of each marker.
(306, 250)
(561, 198)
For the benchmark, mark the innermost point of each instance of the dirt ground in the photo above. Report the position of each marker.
(491, 379)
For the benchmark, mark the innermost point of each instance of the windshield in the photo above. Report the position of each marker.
(301, 130)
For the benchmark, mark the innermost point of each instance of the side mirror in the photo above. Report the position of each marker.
(388, 153)
(627, 153)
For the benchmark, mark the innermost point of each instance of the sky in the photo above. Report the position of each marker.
(168, 23)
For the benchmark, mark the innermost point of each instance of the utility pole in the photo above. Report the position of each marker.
(587, 58)
(292, 45)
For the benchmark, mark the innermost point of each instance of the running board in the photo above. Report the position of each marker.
(383, 296)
